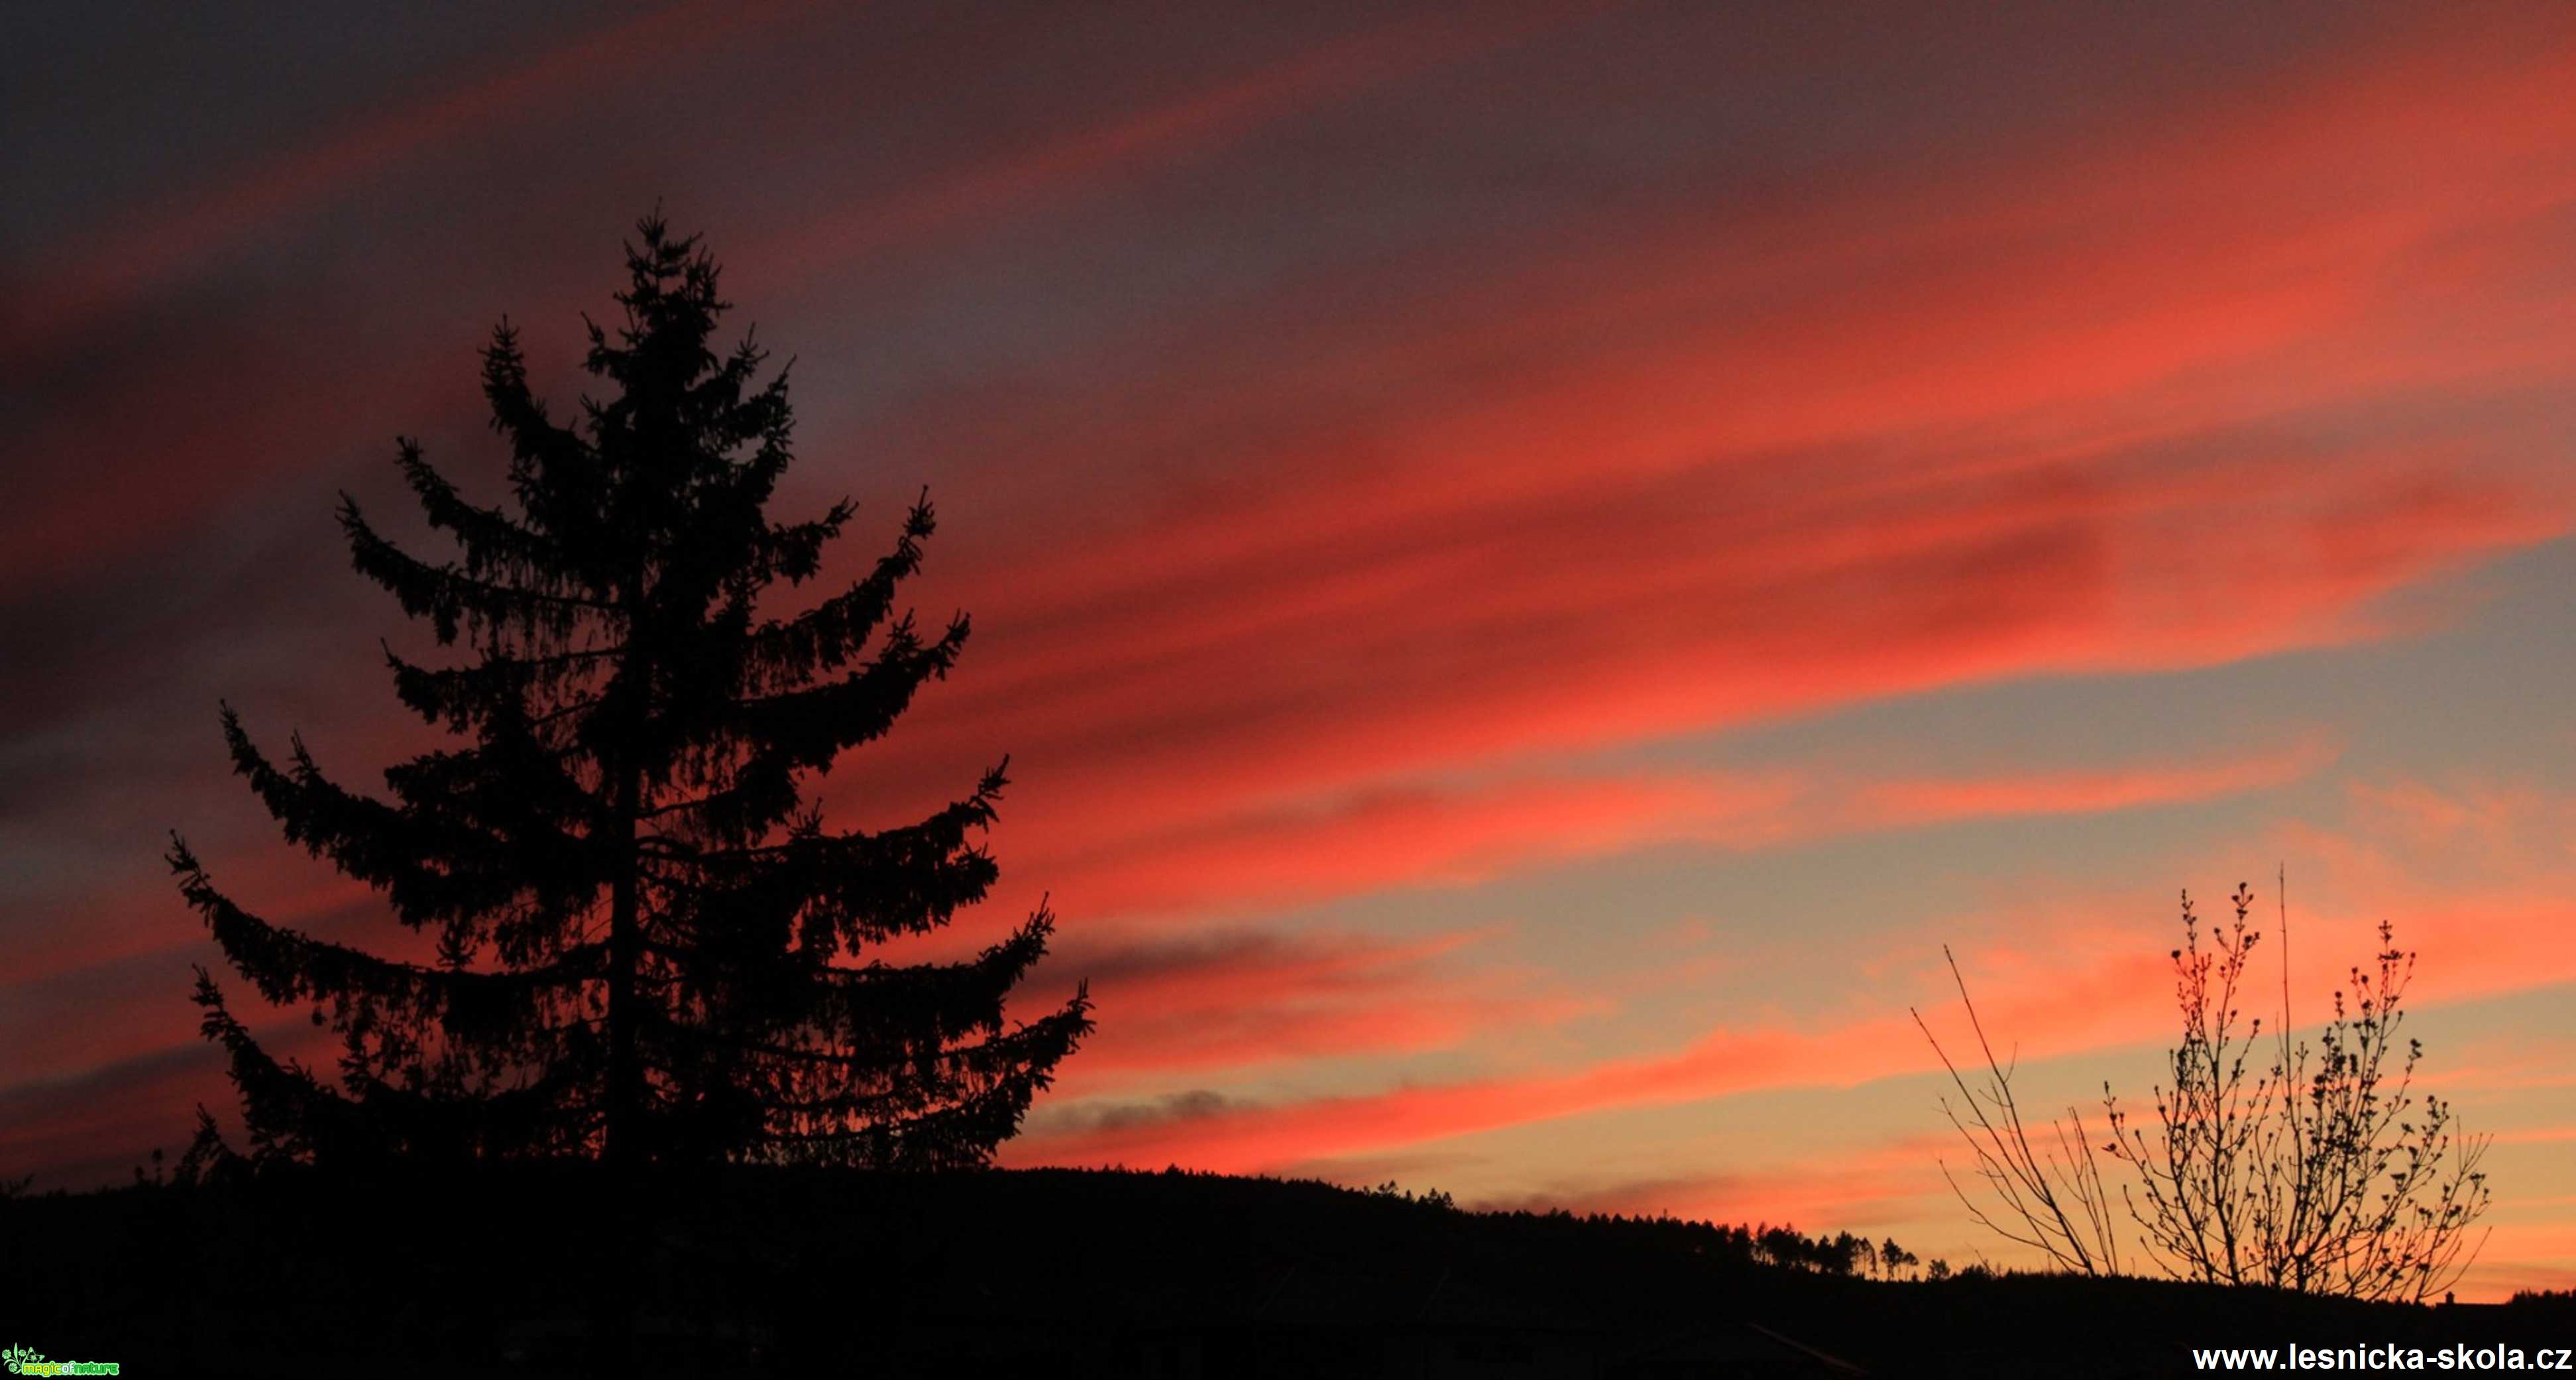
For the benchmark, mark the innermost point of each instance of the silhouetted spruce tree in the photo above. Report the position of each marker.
(649, 947)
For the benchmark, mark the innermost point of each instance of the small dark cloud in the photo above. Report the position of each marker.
(1108, 964)
(1197, 1104)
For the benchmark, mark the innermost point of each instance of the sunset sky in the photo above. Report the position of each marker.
(1534, 562)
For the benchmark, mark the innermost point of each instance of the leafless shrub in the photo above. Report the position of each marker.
(2326, 1172)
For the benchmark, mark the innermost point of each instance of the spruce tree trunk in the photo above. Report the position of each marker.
(625, 1233)
(618, 1146)
(625, 791)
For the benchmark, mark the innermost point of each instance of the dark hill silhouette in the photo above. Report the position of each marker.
(1057, 1273)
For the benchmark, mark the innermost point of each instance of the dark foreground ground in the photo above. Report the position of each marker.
(1054, 1274)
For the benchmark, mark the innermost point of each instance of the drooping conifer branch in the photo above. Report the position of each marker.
(495, 547)
(464, 696)
(831, 634)
(442, 861)
(812, 726)
(454, 601)
(287, 966)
